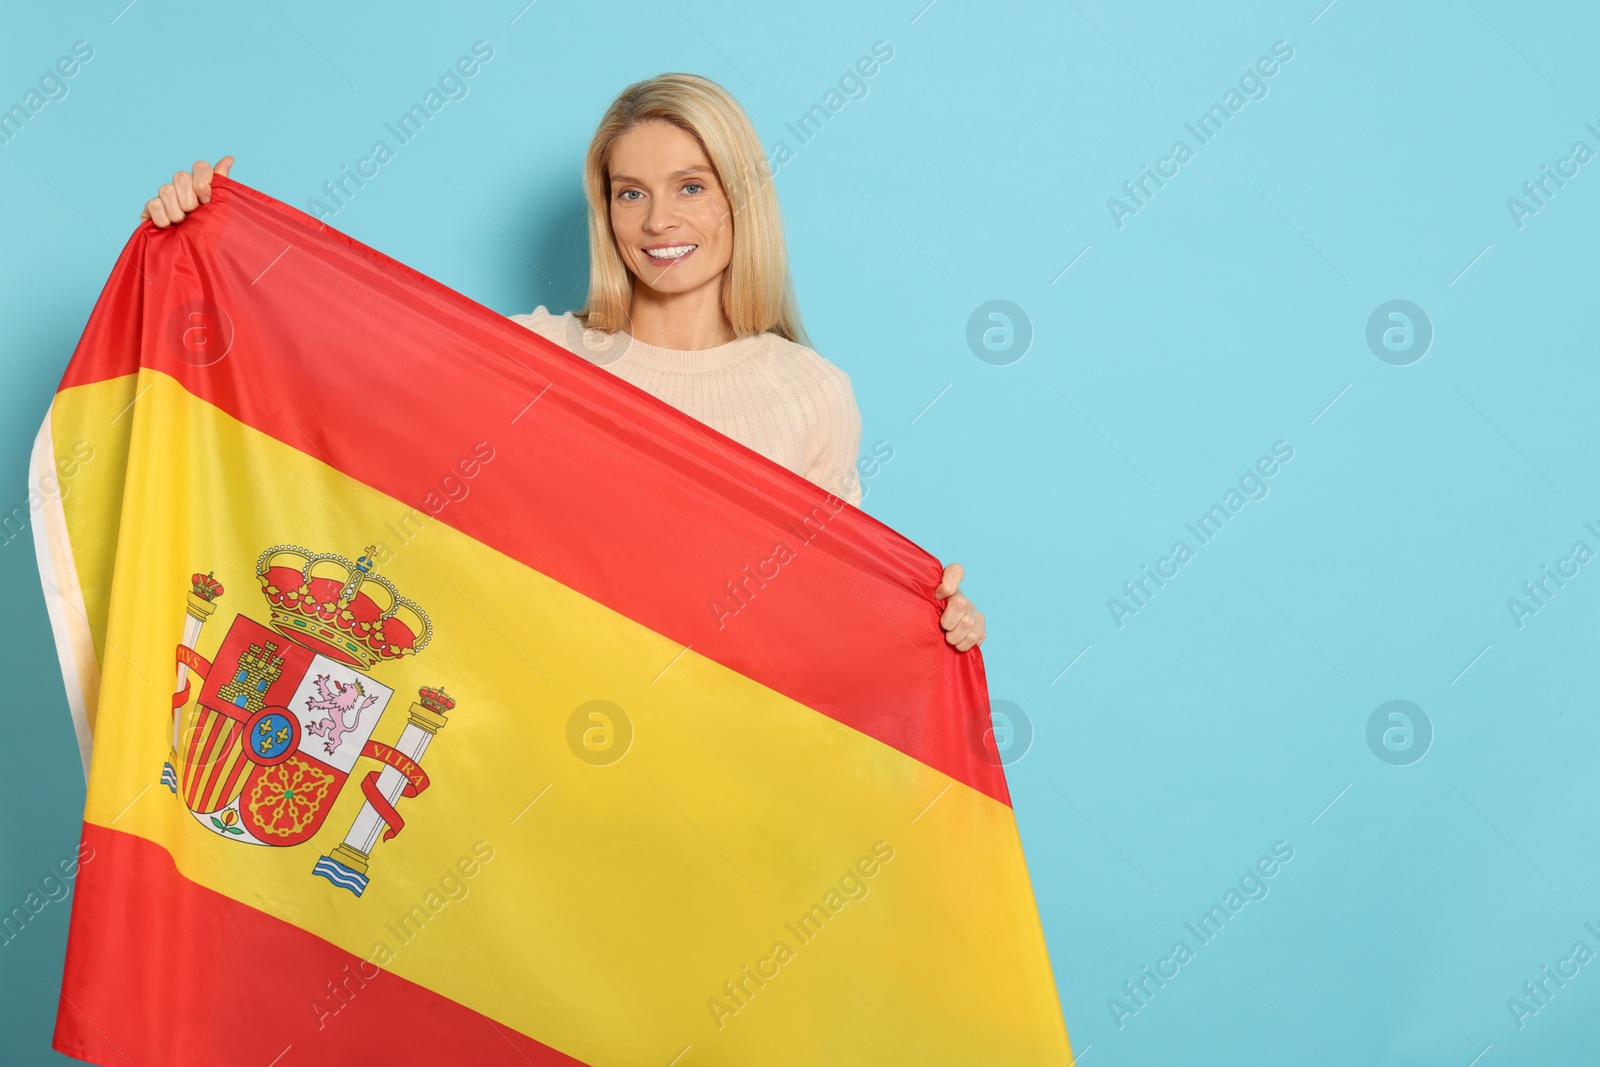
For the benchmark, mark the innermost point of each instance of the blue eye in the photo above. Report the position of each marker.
(624, 194)
(695, 185)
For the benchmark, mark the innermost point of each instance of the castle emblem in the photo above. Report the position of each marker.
(284, 713)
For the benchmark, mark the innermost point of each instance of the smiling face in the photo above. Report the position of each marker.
(670, 216)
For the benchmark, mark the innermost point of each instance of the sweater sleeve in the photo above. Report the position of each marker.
(839, 440)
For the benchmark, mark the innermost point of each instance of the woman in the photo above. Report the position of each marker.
(677, 305)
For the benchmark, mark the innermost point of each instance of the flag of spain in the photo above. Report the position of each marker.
(452, 701)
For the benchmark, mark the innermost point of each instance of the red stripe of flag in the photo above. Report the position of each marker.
(138, 923)
(593, 482)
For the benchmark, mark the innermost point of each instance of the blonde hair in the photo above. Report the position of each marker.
(757, 290)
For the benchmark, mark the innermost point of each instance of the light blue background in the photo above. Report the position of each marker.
(1227, 314)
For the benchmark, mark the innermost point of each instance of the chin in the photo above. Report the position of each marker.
(673, 282)
(665, 285)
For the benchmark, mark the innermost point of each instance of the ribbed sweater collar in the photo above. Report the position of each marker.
(691, 361)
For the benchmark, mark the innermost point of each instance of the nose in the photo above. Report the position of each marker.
(663, 215)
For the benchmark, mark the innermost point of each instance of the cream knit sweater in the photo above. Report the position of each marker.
(774, 396)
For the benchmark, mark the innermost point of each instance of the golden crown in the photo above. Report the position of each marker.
(340, 608)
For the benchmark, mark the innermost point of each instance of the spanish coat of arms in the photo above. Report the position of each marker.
(283, 714)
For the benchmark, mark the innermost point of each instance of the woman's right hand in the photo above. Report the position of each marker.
(185, 192)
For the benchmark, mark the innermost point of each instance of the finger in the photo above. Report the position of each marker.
(950, 580)
(169, 200)
(158, 213)
(971, 633)
(202, 180)
(224, 165)
(962, 632)
(957, 606)
(183, 182)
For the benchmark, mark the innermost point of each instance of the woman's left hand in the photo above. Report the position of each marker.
(963, 623)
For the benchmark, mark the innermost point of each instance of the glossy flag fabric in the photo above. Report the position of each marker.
(452, 701)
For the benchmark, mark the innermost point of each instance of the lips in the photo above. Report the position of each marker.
(668, 254)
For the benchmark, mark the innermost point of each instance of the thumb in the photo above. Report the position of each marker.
(950, 581)
(224, 165)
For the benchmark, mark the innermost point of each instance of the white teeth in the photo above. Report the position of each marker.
(670, 253)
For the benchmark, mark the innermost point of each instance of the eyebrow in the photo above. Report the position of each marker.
(674, 176)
